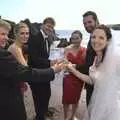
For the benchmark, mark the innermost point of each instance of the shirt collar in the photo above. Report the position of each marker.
(44, 35)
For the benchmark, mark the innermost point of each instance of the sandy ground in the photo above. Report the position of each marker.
(56, 98)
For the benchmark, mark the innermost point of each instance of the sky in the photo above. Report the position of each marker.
(67, 13)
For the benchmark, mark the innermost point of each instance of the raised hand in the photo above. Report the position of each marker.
(69, 66)
(58, 67)
(56, 61)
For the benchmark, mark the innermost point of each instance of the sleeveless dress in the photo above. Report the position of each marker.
(72, 86)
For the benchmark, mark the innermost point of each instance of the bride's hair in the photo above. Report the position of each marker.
(106, 30)
(108, 35)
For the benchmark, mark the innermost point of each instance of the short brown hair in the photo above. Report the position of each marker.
(106, 30)
(78, 32)
(5, 24)
(49, 20)
(93, 14)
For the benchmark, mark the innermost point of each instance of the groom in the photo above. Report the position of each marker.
(90, 21)
(39, 48)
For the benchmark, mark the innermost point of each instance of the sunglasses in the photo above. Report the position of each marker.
(74, 38)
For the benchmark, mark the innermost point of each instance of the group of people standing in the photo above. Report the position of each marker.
(82, 58)
(17, 96)
(100, 71)
(25, 77)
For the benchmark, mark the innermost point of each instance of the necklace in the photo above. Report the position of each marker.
(98, 60)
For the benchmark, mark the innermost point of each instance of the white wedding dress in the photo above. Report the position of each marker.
(105, 101)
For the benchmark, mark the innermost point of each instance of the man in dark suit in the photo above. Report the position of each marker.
(38, 53)
(11, 73)
(90, 21)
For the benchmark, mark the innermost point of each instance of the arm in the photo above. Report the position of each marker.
(84, 53)
(80, 75)
(17, 53)
(67, 50)
(11, 69)
(81, 67)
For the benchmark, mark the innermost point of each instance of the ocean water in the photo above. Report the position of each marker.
(58, 53)
(64, 33)
(67, 33)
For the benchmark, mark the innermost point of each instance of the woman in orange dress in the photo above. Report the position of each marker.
(72, 86)
(22, 35)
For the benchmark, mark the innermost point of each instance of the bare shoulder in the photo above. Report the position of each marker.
(69, 47)
(14, 47)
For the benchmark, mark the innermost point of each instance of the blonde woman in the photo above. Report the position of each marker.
(22, 35)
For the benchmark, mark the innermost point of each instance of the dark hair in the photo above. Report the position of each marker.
(108, 35)
(63, 43)
(5, 24)
(49, 20)
(76, 32)
(106, 30)
(93, 14)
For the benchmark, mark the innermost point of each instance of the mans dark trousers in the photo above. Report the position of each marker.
(41, 95)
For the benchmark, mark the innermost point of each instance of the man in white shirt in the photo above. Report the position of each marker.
(38, 48)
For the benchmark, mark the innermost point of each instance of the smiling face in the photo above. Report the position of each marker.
(23, 34)
(48, 28)
(48, 25)
(89, 23)
(75, 39)
(99, 40)
(3, 36)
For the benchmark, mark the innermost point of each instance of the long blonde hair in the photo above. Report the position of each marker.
(18, 27)
(16, 31)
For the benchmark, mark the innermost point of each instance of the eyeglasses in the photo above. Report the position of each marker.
(74, 38)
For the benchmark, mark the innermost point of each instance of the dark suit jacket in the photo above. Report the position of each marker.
(90, 55)
(37, 52)
(11, 72)
(38, 57)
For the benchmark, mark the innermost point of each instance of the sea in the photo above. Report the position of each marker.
(67, 34)
(58, 53)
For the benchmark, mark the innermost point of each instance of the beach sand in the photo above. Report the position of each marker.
(56, 100)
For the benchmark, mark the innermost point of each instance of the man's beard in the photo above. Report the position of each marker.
(90, 29)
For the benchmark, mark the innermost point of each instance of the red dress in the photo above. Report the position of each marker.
(72, 86)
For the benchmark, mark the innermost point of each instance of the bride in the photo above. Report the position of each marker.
(104, 74)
